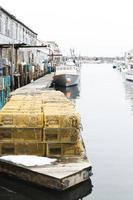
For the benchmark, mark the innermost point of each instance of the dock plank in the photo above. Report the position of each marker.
(59, 176)
(36, 86)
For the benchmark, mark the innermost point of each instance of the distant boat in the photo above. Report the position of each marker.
(129, 72)
(114, 66)
(129, 75)
(120, 65)
(67, 74)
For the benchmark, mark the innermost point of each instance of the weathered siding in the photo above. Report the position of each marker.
(12, 29)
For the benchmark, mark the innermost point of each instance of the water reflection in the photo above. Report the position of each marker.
(12, 188)
(72, 92)
(129, 92)
(128, 89)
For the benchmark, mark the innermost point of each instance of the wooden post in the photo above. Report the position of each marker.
(12, 64)
(18, 81)
(16, 57)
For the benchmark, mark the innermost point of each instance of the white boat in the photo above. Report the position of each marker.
(129, 73)
(67, 74)
(120, 65)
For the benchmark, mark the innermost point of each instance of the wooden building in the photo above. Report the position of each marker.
(14, 31)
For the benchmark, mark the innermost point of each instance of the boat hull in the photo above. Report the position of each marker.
(66, 80)
(129, 76)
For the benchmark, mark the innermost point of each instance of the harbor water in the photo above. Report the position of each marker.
(105, 101)
(106, 106)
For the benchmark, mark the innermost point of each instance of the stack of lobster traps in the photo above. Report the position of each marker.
(45, 124)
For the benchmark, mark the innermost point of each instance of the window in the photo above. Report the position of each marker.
(9, 28)
(26, 36)
(23, 34)
(6, 26)
(16, 31)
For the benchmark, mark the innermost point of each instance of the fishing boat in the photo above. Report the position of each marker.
(67, 74)
(129, 72)
(129, 75)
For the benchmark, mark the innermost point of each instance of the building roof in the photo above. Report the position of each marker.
(15, 19)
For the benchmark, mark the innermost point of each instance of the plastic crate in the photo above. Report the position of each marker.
(25, 68)
(7, 81)
(1, 104)
(7, 93)
(29, 67)
(2, 98)
(2, 83)
(2, 95)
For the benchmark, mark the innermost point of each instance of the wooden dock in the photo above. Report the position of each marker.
(59, 176)
(15, 188)
(36, 86)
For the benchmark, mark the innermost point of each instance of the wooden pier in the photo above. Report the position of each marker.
(36, 86)
(16, 188)
(72, 166)
(59, 176)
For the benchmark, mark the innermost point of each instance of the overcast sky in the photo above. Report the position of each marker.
(92, 27)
